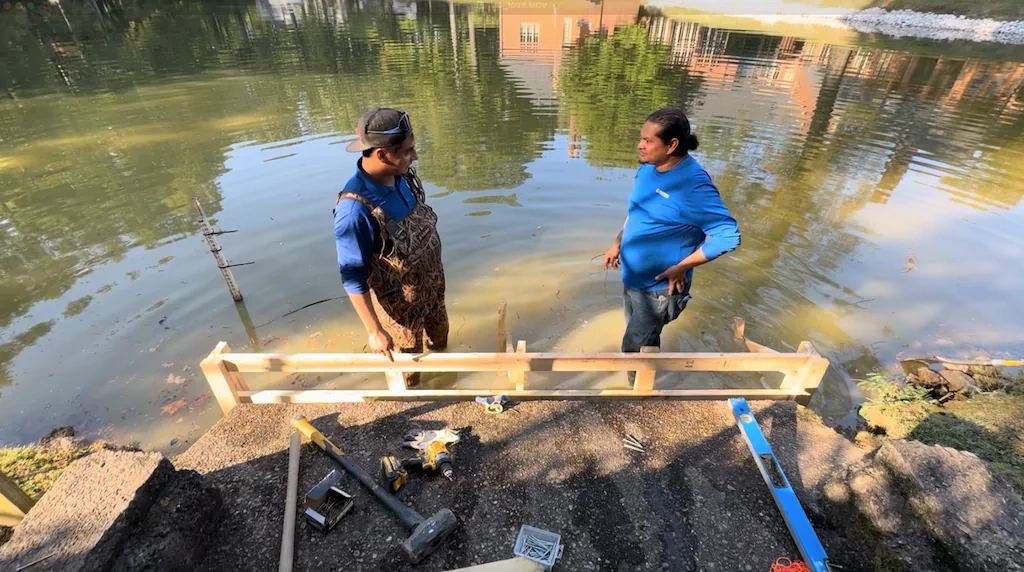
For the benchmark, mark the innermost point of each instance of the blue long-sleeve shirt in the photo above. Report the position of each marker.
(356, 232)
(671, 215)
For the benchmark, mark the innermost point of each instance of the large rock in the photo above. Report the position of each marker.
(88, 513)
(930, 508)
(116, 510)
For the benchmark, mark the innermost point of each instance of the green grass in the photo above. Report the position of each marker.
(35, 469)
(990, 425)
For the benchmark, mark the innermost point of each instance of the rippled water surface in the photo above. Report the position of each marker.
(877, 184)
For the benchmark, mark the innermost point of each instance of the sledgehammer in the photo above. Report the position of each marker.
(427, 533)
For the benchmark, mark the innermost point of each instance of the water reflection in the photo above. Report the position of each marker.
(839, 160)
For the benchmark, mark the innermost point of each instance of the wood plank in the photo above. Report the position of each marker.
(361, 395)
(451, 362)
(758, 348)
(645, 378)
(520, 375)
(396, 381)
(511, 565)
(502, 336)
(225, 382)
(14, 503)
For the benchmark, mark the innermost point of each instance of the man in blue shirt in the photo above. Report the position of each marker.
(389, 251)
(676, 221)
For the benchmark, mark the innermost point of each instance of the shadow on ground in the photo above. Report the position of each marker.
(694, 501)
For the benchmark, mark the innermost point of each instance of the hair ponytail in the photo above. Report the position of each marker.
(673, 124)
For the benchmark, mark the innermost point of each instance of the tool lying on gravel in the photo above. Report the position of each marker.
(494, 405)
(290, 500)
(793, 513)
(632, 443)
(541, 546)
(393, 473)
(326, 503)
(432, 455)
(427, 533)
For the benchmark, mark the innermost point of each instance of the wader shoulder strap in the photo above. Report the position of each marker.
(377, 212)
(384, 222)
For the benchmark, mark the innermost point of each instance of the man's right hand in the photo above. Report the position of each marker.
(611, 257)
(381, 343)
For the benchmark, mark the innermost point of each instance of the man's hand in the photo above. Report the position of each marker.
(381, 343)
(611, 257)
(676, 276)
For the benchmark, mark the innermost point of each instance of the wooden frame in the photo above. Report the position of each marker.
(803, 371)
(14, 503)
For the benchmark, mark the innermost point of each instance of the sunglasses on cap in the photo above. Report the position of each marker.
(404, 126)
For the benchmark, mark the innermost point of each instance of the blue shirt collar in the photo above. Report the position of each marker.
(370, 182)
(689, 159)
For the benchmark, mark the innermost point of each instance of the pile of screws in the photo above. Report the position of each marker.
(537, 549)
(633, 444)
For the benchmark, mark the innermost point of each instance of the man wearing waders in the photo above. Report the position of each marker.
(389, 252)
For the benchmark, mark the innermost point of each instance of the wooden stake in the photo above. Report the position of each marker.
(645, 378)
(396, 381)
(211, 240)
(14, 503)
(502, 337)
(518, 376)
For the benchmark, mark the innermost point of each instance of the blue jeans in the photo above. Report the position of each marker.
(647, 313)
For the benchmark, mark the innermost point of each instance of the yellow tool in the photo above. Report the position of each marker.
(427, 533)
(431, 455)
(435, 457)
(393, 473)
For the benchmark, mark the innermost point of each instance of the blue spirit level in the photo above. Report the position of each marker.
(803, 533)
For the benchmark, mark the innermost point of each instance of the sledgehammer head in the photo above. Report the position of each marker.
(426, 537)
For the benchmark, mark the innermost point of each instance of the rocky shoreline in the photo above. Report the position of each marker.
(908, 24)
(900, 23)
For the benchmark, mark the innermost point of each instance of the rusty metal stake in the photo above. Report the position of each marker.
(211, 240)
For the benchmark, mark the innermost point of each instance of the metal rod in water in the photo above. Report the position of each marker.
(211, 240)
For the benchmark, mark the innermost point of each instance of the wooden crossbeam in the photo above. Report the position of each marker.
(362, 395)
(454, 362)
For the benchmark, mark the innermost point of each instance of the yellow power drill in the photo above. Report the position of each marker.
(432, 455)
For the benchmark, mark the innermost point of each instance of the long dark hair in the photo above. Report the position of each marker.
(673, 124)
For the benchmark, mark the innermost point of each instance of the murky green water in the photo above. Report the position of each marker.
(842, 162)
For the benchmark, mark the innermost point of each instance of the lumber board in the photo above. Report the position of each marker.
(14, 503)
(511, 565)
(454, 362)
(362, 395)
(224, 378)
(644, 380)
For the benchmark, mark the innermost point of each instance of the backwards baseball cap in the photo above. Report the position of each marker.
(381, 127)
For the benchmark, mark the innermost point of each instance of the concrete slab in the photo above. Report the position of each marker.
(81, 523)
(693, 501)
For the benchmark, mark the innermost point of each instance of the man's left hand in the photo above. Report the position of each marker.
(676, 276)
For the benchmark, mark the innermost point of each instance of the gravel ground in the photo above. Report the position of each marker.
(694, 502)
